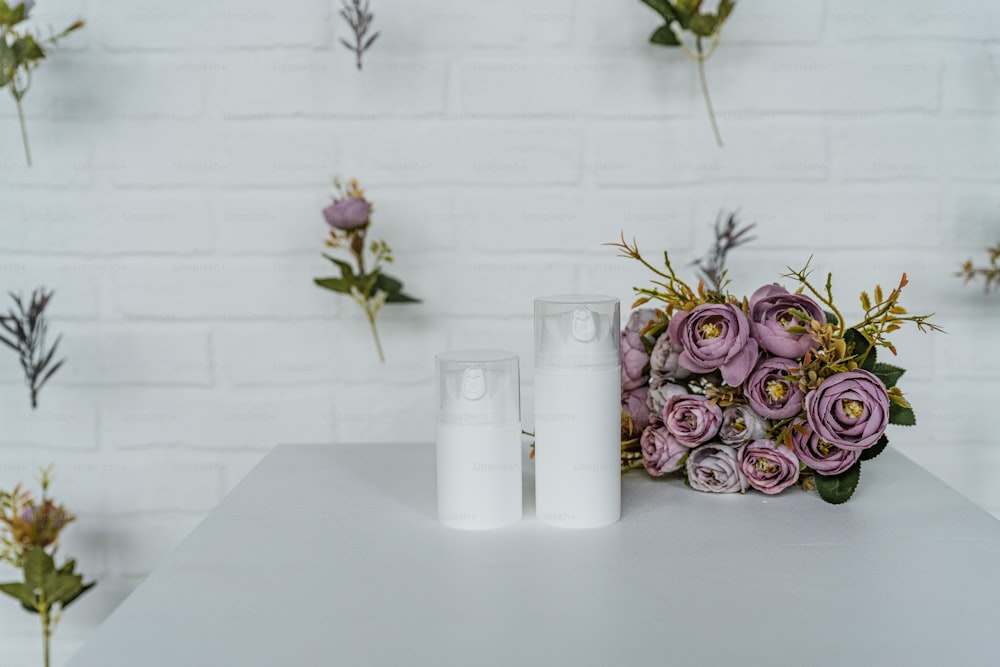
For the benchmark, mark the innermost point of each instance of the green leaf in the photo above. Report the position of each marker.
(393, 287)
(60, 587)
(37, 566)
(83, 589)
(888, 374)
(664, 36)
(725, 9)
(22, 592)
(13, 16)
(703, 25)
(346, 270)
(831, 318)
(837, 489)
(901, 416)
(399, 297)
(859, 343)
(663, 8)
(335, 284)
(875, 450)
(27, 50)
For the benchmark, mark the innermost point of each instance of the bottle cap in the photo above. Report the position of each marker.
(577, 331)
(478, 388)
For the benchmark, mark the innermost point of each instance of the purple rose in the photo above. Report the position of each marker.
(715, 469)
(661, 453)
(740, 425)
(659, 392)
(692, 419)
(349, 213)
(768, 467)
(634, 404)
(824, 458)
(664, 361)
(770, 319)
(770, 392)
(849, 409)
(634, 355)
(715, 337)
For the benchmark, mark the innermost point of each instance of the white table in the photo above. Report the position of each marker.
(331, 555)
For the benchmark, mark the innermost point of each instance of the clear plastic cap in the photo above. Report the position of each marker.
(478, 388)
(577, 331)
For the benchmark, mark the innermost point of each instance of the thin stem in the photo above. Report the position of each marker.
(378, 343)
(24, 129)
(704, 90)
(46, 636)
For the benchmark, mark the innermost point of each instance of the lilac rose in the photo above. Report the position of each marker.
(635, 406)
(715, 337)
(659, 392)
(664, 360)
(715, 469)
(770, 320)
(770, 391)
(661, 453)
(692, 419)
(740, 425)
(634, 355)
(768, 467)
(849, 409)
(347, 213)
(824, 458)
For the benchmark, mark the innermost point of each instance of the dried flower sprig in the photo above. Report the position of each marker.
(989, 274)
(31, 532)
(729, 235)
(21, 51)
(349, 218)
(685, 16)
(359, 17)
(27, 328)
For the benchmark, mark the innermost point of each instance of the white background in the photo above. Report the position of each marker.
(183, 152)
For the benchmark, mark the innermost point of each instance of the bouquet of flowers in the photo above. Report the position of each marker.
(764, 392)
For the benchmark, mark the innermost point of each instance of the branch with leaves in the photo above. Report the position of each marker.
(729, 235)
(31, 531)
(359, 17)
(685, 23)
(26, 328)
(349, 218)
(990, 275)
(21, 52)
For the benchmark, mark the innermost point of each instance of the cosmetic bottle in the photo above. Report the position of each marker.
(478, 439)
(577, 410)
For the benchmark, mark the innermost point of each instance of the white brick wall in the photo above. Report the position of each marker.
(183, 153)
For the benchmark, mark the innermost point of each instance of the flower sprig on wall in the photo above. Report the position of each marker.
(359, 16)
(21, 51)
(30, 535)
(685, 23)
(990, 275)
(24, 330)
(349, 218)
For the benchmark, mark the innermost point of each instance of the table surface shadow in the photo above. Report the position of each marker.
(332, 555)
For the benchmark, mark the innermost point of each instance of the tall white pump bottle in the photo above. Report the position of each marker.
(577, 410)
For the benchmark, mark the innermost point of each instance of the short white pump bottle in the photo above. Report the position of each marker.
(478, 439)
(577, 410)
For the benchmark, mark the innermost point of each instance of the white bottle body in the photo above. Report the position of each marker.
(578, 446)
(478, 476)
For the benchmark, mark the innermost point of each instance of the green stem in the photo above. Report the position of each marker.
(46, 636)
(378, 343)
(24, 129)
(704, 90)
